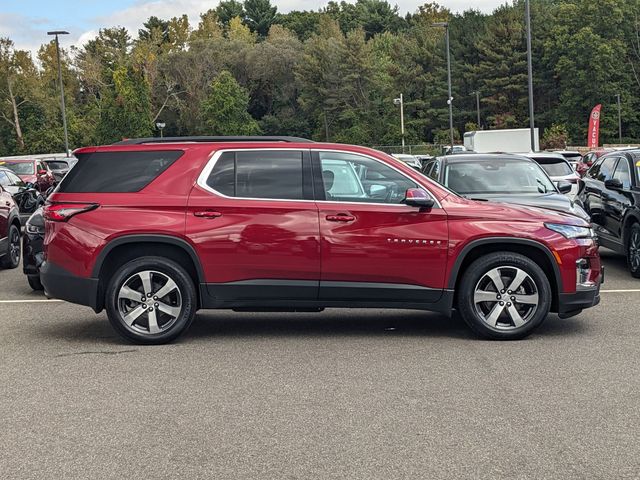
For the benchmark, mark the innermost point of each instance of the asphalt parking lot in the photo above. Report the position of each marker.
(339, 394)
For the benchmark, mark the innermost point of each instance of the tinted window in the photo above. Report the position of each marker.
(555, 167)
(623, 174)
(353, 178)
(595, 168)
(259, 174)
(606, 168)
(57, 165)
(110, 172)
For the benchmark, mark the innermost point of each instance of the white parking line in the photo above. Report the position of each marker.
(621, 291)
(31, 301)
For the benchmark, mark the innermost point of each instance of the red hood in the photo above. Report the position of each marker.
(28, 178)
(507, 212)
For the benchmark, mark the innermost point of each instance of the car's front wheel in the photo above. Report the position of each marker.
(151, 300)
(504, 296)
(633, 250)
(11, 258)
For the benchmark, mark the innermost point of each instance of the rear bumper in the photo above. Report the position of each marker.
(61, 284)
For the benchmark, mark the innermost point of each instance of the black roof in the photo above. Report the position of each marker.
(213, 139)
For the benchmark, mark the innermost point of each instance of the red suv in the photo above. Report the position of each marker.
(152, 230)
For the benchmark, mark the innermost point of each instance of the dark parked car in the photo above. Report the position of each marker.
(9, 231)
(154, 229)
(610, 192)
(32, 171)
(26, 196)
(502, 178)
(32, 242)
(589, 159)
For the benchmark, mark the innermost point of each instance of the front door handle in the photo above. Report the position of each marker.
(207, 214)
(341, 218)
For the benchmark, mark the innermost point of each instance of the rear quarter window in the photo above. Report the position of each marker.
(117, 172)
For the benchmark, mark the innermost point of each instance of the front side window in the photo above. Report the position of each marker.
(274, 175)
(595, 169)
(606, 169)
(622, 173)
(354, 178)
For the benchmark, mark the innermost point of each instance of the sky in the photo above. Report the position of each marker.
(26, 22)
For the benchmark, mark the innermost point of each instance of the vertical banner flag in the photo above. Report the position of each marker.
(594, 127)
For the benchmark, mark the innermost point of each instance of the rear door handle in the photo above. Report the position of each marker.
(341, 218)
(207, 214)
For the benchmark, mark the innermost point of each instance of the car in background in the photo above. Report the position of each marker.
(59, 166)
(26, 196)
(410, 160)
(558, 168)
(455, 150)
(154, 229)
(572, 156)
(32, 171)
(9, 231)
(589, 158)
(502, 178)
(32, 243)
(610, 192)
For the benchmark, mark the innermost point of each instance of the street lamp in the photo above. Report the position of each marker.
(477, 94)
(619, 120)
(64, 112)
(530, 74)
(445, 25)
(161, 126)
(400, 101)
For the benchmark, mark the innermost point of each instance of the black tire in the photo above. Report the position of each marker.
(11, 258)
(34, 282)
(633, 250)
(508, 307)
(182, 299)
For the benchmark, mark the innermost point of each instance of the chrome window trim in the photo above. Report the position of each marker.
(206, 171)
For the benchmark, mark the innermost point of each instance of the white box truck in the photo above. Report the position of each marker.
(516, 140)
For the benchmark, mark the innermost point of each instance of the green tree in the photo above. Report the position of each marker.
(224, 112)
(228, 9)
(259, 16)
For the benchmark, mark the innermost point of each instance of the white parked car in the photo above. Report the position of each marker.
(558, 168)
(408, 159)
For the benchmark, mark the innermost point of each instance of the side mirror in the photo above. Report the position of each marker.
(564, 186)
(42, 172)
(416, 197)
(613, 184)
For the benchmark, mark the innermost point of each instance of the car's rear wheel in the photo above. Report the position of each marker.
(11, 258)
(633, 250)
(151, 300)
(504, 296)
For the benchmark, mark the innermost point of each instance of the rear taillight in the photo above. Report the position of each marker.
(61, 212)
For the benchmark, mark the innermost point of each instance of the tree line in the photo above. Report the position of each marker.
(330, 74)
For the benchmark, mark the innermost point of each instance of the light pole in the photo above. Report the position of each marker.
(161, 126)
(64, 112)
(619, 120)
(477, 94)
(400, 101)
(530, 74)
(445, 25)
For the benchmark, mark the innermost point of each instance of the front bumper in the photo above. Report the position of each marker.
(64, 285)
(570, 304)
(33, 255)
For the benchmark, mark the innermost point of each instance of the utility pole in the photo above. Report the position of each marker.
(400, 101)
(64, 112)
(619, 120)
(445, 25)
(530, 73)
(477, 93)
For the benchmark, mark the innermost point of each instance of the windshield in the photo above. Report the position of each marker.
(21, 168)
(555, 167)
(498, 177)
(57, 165)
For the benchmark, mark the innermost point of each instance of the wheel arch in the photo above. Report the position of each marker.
(532, 249)
(123, 249)
(631, 218)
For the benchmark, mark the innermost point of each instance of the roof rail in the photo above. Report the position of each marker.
(219, 139)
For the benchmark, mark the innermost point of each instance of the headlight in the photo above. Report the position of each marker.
(571, 231)
(33, 230)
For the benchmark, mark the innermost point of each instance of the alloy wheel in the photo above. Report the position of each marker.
(149, 302)
(506, 298)
(14, 247)
(634, 251)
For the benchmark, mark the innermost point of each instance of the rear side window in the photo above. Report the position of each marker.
(117, 172)
(259, 174)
